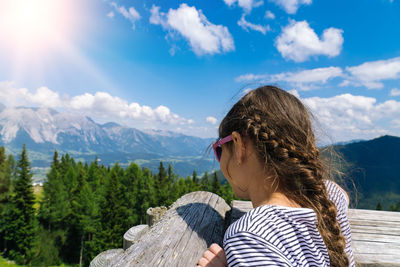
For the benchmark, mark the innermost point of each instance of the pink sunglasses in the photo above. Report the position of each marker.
(217, 146)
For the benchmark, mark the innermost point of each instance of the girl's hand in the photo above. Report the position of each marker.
(214, 256)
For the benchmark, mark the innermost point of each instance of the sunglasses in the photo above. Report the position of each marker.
(217, 146)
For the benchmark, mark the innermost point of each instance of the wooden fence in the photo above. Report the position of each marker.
(178, 236)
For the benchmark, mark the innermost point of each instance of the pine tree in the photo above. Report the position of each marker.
(131, 188)
(146, 194)
(216, 186)
(195, 179)
(205, 182)
(171, 175)
(113, 212)
(54, 207)
(162, 186)
(21, 222)
(379, 206)
(85, 212)
(5, 190)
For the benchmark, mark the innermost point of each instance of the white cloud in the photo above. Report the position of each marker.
(370, 74)
(298, 42)
(211, 120)
(269, 15)
(396, 123)
(110, 14)
(157, 17)
(395, 92)
(291, 6)
(43, 96)
(346, 117)
(295, 93)
(247, 25)
(131, 14)
(100, 105)
(318, 75)
(247, 5)
(251, 77)
(203, 36)
(301, 80)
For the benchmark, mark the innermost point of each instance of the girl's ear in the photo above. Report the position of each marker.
(239, 147)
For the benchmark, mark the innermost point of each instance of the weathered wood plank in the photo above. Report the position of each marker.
(194, 222)
(134, 234)
(104, 258)
(365, 247)
(374, 216)
(197, 219)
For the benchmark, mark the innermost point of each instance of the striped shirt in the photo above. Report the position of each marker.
(272, 235)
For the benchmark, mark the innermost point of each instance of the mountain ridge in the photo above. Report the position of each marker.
(45, 130)
(373, 169)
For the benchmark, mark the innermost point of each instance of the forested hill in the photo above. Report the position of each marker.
(374, 166)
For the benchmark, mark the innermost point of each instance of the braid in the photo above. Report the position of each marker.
(302, 173)
(288, 148)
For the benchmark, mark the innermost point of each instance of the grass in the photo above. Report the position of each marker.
(7, 263)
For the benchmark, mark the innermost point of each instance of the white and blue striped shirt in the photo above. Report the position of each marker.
(283, 236)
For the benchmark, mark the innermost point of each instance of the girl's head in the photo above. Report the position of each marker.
(279, 127)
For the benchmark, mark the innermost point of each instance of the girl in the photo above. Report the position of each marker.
(268, 154)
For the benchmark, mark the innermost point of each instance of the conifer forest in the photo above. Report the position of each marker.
(83, 208)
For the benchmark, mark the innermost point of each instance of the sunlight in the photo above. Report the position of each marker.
(33, 26)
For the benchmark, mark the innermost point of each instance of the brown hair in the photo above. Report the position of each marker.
(280, 127)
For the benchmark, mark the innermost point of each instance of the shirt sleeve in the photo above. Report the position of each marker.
(247, 249)
(337, 195)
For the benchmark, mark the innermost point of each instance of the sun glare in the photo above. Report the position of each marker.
(32, 26)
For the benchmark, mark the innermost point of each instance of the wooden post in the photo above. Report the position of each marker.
(153, 215)
(186, 230)
(104, 258)
(134, 234)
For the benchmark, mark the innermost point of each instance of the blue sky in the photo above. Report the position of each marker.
(180, 65)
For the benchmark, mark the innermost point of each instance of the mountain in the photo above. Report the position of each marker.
(374, 168)
(44, 130)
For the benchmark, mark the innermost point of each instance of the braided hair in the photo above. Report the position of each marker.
(280, 127)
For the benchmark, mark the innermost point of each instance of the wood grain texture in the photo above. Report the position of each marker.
(186, 230)
(198, 219)
(134, 234)
(104, 258)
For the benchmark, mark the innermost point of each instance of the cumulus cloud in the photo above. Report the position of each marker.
(211, 120)
(346, 117)
(301, 80)
(43, 96)
(395, 92)
(299, 42)
(371, 74)
(269, 15)
(98, 105)
(255, 27)
(203, 36)
(131, 14)
(247, 5)
(291, 6)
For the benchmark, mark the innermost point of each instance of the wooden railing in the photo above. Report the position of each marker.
(199, 219)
